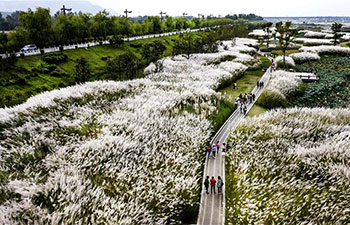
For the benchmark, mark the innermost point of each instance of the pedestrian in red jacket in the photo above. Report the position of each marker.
(212, 185)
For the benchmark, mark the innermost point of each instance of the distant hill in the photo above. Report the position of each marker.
(76, 5)
(4, 14)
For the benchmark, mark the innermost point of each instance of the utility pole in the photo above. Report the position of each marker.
(126, 12)
(161, 15)
(64, 9)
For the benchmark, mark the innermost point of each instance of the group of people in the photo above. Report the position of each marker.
(260, 84)
(215, 149)
(213, 183)
(243, 100)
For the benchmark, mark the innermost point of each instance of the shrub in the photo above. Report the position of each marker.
(105, 58)
(44, 88)
(57, 73)
(18, 94)
(302, 57)
(288, 60)
(21, 81)
(54, 58)
(28, 93)
(136, 45)
(270, 99)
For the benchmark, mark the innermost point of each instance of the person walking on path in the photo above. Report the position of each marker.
(223, 148)
(209, 150)
(212, 185)
(218, 147)
(220, 183)
(244, 109)
(206, 184)
(214, 151)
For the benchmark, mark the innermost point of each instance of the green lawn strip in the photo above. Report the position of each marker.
(245, 85)
(256, 110)
(288, 52)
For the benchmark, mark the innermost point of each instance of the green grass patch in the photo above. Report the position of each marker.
(245, 85)
(288, 52)
(256, 110)
(346, 45)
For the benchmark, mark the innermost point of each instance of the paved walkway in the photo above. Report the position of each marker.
(212, 206)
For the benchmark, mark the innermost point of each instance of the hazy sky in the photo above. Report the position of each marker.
(223, 7)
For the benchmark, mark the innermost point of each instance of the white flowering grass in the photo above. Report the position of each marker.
(257, 33)
(302, 57)
(313, 34)
(288, 60)
(290, 167)
(327, 50)
(111, 152)
(315, 41)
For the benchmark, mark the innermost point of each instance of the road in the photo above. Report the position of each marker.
(212, 206)
(90, 44)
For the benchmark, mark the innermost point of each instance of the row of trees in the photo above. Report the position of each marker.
(10, 21)
(38, 27)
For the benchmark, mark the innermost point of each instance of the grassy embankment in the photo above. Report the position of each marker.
(24, 79)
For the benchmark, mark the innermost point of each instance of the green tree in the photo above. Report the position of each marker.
(39, 26)
(209, 44)
(156, 24)
(84, 26)
(114, 68)
(186, 46)
(129, 62)
(287, 35)
(336, 29)
(82, 70)
(102, 25)
(126, 63)
(66, 28)
(116, 41)
(152, 53)
(124, 26)
(17, 39)
(267, 29)
(169, 23)
(3, 42)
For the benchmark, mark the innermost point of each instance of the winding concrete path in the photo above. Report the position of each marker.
(212, 206)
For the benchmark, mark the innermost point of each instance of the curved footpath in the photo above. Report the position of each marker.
(212, 206)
